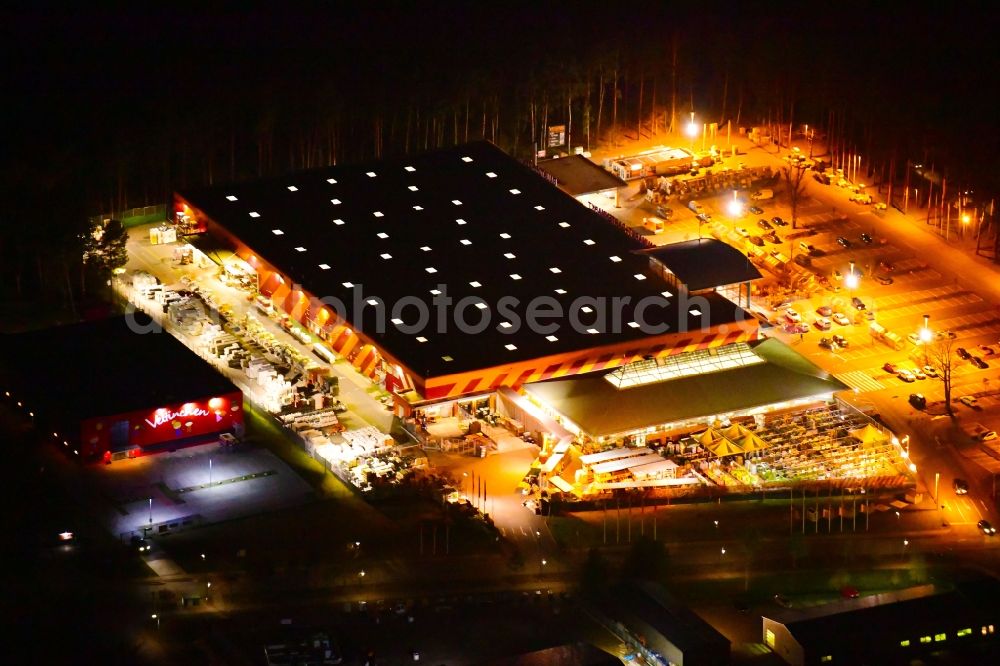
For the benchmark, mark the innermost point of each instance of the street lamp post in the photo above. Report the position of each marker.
(692, 131)
(926, 336)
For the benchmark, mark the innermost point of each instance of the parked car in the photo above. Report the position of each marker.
(987, 350)
(858, 303)
(866, 239)
(918, 373)
(914, 338)
(844, 242)
(849, 592)
(979, 363)
(823, 324)
(930, 371)
(905, 375)
(826, 343)
(764, 224)
(886, 265)
(963, 353)
(985, 527)
(841, 319)
(756, 240)
(756, 210)
(884, 279)
(841, 341)
(987, 435)
(777, 221)
(918, 400)
(969, 401)
(664, 211)
(889, 367)
(803, 260)
(960, 486)
(821, 178)
(824, 311)
(793, 315)
(772, 238)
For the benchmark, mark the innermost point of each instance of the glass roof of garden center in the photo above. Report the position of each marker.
(700, 362)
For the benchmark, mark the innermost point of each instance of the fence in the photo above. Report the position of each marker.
(131, 217)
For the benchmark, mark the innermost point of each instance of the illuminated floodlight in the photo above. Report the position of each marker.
(692, 129)
(735, 208)
(926, 335)
(852, 280)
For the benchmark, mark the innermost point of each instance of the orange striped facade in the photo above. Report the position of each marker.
(575, 363)
(371, 360)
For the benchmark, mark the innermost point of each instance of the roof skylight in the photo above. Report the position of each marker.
(466, 159)
(412, 188)
(300, 249)
(456, 202)
(431, 269)
(386, 255)
(370, 174)
(510, 347)
(335, 202)
(410, 169)
(292, 188)
(490, 174)
(332, 181)
(339, 222)
(475, 284)
(277, 232)
(231, 197)
(615, 258)
(325, 267)
(465, 241)
(382, 235)
(551, 338)
(515, 276)
(378, 213)
(349, 285)
(254, 213)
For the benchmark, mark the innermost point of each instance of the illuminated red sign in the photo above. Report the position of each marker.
(162, 416)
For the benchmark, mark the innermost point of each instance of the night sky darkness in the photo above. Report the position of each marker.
(118, 109)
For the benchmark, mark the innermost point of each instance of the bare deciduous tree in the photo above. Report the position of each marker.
(939, 356)
(794, 177)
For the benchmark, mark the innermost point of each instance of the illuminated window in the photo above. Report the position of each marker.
(587, 309)
(588, 242)
(515, 276)
(633, 324)
(431, 269)
(905, 643)
(447, 359)
(560, 291)
(939, 637)
(925, 639)
(300, 249)
(386, 255)
(509, 255)
(325, 267)
(769, 638)
(505, 324)
(555, 269)
(963, 632)
(505, 236)
(421, 338)
(695, 311)
(666, 294)
(481, 306)
(349, 285)
(397, 321)
(592, 331)
(639, 276)
(435, 292)
(372, 301)
(826, 658)
(475, 284)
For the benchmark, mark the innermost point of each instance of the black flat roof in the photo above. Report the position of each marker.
(577, 175)
(103, 368)
(704, 263)
(471, 218)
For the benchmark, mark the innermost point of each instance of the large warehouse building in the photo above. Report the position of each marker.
(457, 272)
